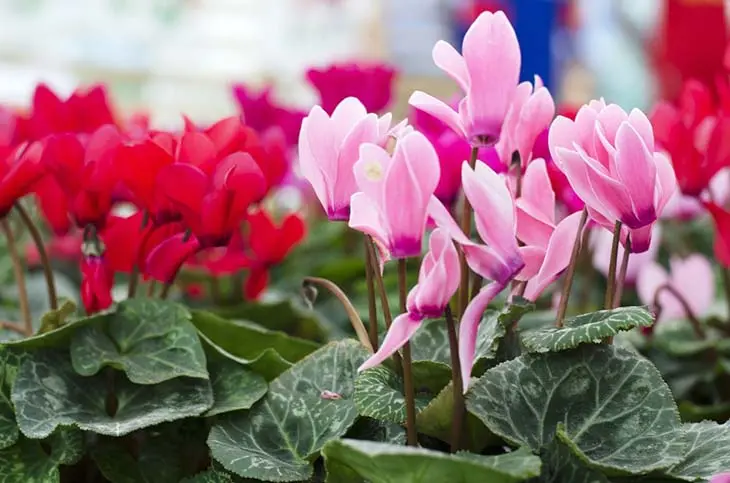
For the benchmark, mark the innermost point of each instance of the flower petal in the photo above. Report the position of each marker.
(401, 330)
(637, 171)
(450, 61)
(438, 109)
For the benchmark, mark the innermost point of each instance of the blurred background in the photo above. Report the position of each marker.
(168, 57)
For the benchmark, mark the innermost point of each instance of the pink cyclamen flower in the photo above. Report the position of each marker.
(721, 477)
(438, 280)
(262, 113)
(394, 193)
(329, 147)
(548, 245)
(601, 241)
(529, 114)
(499, 260)
(609, 159)
(372, 84)
(487, 72)
(692, 278)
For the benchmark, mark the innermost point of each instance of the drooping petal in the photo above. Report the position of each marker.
(469, 327)
(533, 257)
(164, 261)
(401, 330)
(666, 182)
(450, 61)
(438, 109)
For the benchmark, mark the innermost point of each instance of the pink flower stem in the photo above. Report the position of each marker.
(565, 295)
(459, 412)
(42, 253)
(611, 289)
(387, 316)
(410, 393)
(694, 321)
(370, 266)
(466, 215)
(622, 273)
(19, 278)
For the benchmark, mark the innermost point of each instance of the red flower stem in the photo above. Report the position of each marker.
(43, 254)
(459, 411)
(611, 289)
(622, 273)
(410, 393)
(577, 245)
(19, 273)
(466, 215)
(370, 266)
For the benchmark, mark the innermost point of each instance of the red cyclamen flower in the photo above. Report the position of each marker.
(372, 84)
(96, 284)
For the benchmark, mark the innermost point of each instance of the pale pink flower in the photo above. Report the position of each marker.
(488, 73)
(329, 148)
(392, 203)
(721, 477)
(601, 241)
(548, 244)
(691, 277)
(438, 280)
(609, 159)
(529, 114)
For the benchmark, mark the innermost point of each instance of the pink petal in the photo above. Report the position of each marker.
(365, 218)
(469, 327)
(450, 61)
(535, 117)
(364, 131)
(694, 278)
(557, 256)
(348, 113)
(610, 118)
(370, 171)
(641, 123)
(666, 181)
(562, 134)
(493, 60)
(401, 330)
(441, 274)
(637, 171)
(318, 154)
(533, 257)
(438, 109)
(537, 203)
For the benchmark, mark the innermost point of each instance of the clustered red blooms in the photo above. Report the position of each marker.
(198, 192)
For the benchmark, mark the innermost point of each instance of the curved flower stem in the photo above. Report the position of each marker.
(14, 326)
(459, 412)
(45, 261)
(357, 324)
(410, 393)
(19, 273)
(693, 320)
(622, 274)
(577, 246)
(611, 289)
(370, 266)
(466, 215)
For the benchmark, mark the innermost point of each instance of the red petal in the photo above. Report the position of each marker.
(96, 284)
(53, 204)
(48, 112)
(292, 231)
(165, 260)
(138, 165)
(255, 284)
(227, 135)
(722, 233)
(198, 150)
(63, 156)
(185, 185)
(24, 172)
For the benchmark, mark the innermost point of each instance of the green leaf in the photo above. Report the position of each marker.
(234, 387)
(436, 418)
(210, 476)
(600, 392)
(59, 337)
(57, 318)
(369, 429)
(158, 461)
(9, 363)
(707, 451)
(305, 407)
(26, 462)
(251, 342)
(48, 393)
(67, 445)
(268, 364)
(379, 395)
(561, 465)
(152, 341)
(694, 413)
(286, 315)
(386, 463)
(590, 328)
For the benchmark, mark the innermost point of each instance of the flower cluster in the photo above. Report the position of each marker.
(196, 194)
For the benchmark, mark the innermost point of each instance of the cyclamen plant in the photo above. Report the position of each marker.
(194, 359)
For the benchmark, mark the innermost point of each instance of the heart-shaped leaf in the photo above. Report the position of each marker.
(369, 429)
(706, 454)
(234, 387)
(61, 336)
(590, 328)
(29, 462)
(150, 340)
(9, 363)
(48, 393)
(561, 465)
(305, 407)
(386, 463)
(600, 393)
(379, 395)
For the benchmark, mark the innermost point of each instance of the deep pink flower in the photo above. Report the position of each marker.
(487, 72)
(372, 84)
(438, 280)
(608, 157)
(692, 277)
(263, 113)
(548, 244)
(394, 193)
(329, 147)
